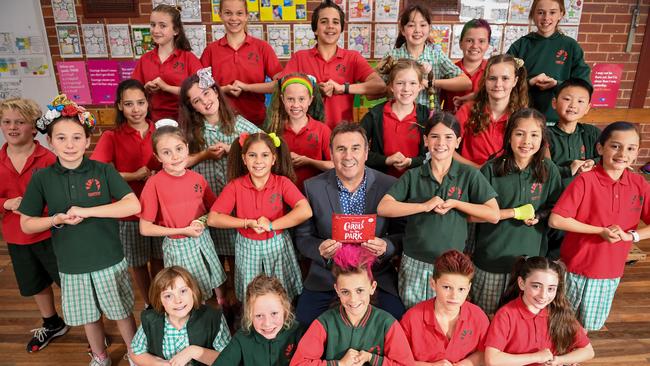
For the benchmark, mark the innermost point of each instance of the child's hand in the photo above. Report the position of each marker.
(223, 146)
(442, 363)
(151, 87)
(547, 83)
(610, 234)
(142, 174)
(531, 222)
(328, 248)
(544, 355)
(264, 223)
(365, 357)
(395, 158)
(215, 152)
(66, 219)
(587, 166)
(376, 246)
(298, 160)
(232, 90)
(445, 206)
(194, 230)
(576, 165)
(160, 84)
(12, 204)
(351, 358)
(405, 163)
(432, 204)
(183, 357)
(76, 211)
(240, 85)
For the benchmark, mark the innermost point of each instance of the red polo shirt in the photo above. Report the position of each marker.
(13, 185)
(430, 344)
(251, 63)
(403, 136)
(596, 199)
(479, 148)
(345, 66)
(176, 68)
(128, 151)
(448, 96)
(252, 203)
(173, 202)
(516, 330)
(312, 141)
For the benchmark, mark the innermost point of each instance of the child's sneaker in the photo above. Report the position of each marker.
(43, 336)
(96, 361)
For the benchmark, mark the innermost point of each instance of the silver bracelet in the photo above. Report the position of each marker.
(52, 221)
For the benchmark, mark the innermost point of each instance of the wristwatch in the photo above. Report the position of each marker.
(635, 236)
(346, 88)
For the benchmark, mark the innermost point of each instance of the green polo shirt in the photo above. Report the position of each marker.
(499, 245)
(567, 147)
(429, 234)
(252, 349)
(94, 243)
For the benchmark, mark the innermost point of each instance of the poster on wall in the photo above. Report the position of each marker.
(456, 52)
(385, 36)
(34, 66)
(190, 10)
(253, 10)
(196, 35)
(573, 12)
(28, 44)
(126, 68)
(493, 11)
(511, 33)
(104, 76)
(606, 79)
(142, 40)
(11, 88)
(7, 43)
(360, 11)
(256, 30)
(64, 11)
(119, 40)
(441, 36)
(69, 40)
(214, 9)
(279, 39)
(73, 81)
(495, 41)
(218, 31)
(94, 40)
(386, 11)
(359, 38)
(283, 10)
(303, 37)
(9, 67)
(518, 11)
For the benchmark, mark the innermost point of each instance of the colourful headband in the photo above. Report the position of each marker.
(63, 107)
(298, 80)
(166, 122)
(205, 77)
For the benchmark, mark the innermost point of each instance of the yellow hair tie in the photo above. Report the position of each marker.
(275, 139)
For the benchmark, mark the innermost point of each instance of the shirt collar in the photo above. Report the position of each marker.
(430, 316)
(38, 152)
(315, 53)
(362, 186)
(248, 183)
(362, 322)
(308, 127)
(425, 170)
(223, 41)
(605, 180)
(127, 128)
(527, 314)
(83, 167)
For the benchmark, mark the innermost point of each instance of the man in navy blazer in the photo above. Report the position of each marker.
(349, 188)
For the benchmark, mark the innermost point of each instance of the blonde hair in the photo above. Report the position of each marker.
(260, 286)
(165, 279)
(26, 107)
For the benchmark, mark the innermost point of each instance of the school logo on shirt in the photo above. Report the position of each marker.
(454, 193)
(288, 352)
(254, 56)
(312, 139)
(341, 69)
(375, 350)
(465, 333)
(637, 202)
(276, 201)
(561, 56)
(179, 66)
(198, 188)
(536, 191)
(93, 187)
(583, 152)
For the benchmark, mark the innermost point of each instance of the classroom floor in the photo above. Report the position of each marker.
(624, 341)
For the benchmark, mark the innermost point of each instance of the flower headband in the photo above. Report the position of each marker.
(63, 107)
(166, 122)
(205, 77)
(306, 82)
(244, 135)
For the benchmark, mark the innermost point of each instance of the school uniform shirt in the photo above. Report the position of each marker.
(345, 66)
(558, 56)
(567, 147)
(94, 243)
(125, 147)
(499, 245)
(428, 234)
(596, 199)
(171, 201)
(176, 68)
(331, 335)
(441, 66)
(312, 141)
(448, 96)
(388, 135)
(13, 185)
(516, 330)
(251, 63)
(480, 147)
(252, 349)
(429, 342)
(252, 203)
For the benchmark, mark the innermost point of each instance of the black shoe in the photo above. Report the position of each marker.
(43, 336)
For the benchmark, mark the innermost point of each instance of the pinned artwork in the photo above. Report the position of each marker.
(440, 34)
(573, 12)
(142, 40)
(456, 52)
(511, 33)
(518, 11)
(495, 41)
(218, 31)
(64, 11)
(119, 40)
(256, 30)
(359, 38)
(190, 10)
(196, 35)
(385, 36)
(303, 37)
(360, 11)
(386, 11)
(279, 37)
(69, 40)
(94, 40)
(7, 43)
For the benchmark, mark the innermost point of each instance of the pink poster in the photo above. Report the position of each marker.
(606, 79)
(126, 69)
(104, 77)
(73, 81)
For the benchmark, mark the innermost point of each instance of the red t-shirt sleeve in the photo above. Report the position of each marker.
(362, 68)
(482, 325)
(292, 65)
(225, 203)
(325, 141)
(193, 63)
(290, 193)
(149, 201)
(462, 116)
(272, 65)
(645, 210)
(498, 333)
(206, 56)
(311, 347)
(105, 148)
(396, 349)
(581, 339)
(571, 198)
(407, 324)
(208, 197)
(137, 72)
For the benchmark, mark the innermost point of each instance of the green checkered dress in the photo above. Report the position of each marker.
(441, 66)
(413, 281)
(138, 249)
(214, 171)
(487, 289)
(591, 298)
(176, 340)
(85, 296)
(197, 256)
(274, 256)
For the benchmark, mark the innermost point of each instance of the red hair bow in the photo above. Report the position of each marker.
(242, 138)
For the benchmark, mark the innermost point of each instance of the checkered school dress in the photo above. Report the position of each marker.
(487, 289)
(214, 171)
(413, 281)
(197, 256)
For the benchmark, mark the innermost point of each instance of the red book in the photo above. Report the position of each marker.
(353, 228)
